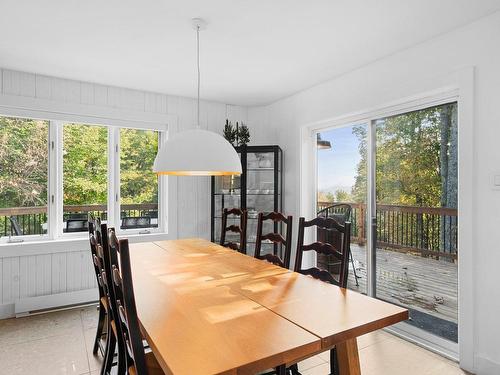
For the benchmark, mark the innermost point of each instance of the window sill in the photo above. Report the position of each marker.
(67, 244)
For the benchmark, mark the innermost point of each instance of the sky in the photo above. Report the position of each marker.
(337, 166)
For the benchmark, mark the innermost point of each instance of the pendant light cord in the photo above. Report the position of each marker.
(198, 66)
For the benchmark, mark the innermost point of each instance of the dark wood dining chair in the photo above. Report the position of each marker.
(275, 238)
(99, 240)
(339, 248)
(240, 229)
(138, 361)
(101, 331)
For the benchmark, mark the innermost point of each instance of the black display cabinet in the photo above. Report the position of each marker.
(258, 189)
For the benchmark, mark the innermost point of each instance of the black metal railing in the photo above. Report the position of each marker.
(32, 220)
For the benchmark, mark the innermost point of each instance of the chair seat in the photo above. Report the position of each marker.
(152, 365)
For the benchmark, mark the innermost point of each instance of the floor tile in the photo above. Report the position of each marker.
(373, 338)
(323, 369)
(64, 354)
(14, 331)
(395, 356)
(95, 361)
(90, 316)
(448, 368)
(310, 362)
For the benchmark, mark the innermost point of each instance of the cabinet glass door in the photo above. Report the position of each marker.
(263, 193)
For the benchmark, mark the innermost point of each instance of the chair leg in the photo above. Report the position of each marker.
(100, 326)
(295, 369)
(281, 370)
(109, 353)
(122, 361)
(334, 362)
(353, 268)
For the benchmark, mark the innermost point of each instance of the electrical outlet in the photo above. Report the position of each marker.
(496, 182)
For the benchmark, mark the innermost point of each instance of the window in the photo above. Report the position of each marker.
(23, 181)
(138, 182)
(85, 175)
(55, 173)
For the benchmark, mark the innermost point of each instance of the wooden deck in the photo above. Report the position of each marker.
(424, 284)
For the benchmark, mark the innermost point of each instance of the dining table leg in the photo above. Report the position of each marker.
(348, 356)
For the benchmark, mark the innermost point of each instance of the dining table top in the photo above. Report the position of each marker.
(206, 309)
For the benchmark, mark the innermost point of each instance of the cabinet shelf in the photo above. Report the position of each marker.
(254, 182)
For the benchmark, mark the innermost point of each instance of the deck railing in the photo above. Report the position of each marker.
(428, 231)
(31, 219)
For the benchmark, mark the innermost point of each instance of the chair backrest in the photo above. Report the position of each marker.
(96, 258)
(77, 225)
(99, 237)
(240, 229)
(275, 238)
(136, 222)
(15, 226)
(341, 252)
(125, 300)
(340, 212)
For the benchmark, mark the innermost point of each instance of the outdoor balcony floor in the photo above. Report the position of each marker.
(428, 287)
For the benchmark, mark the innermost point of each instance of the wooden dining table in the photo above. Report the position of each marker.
(206, 309)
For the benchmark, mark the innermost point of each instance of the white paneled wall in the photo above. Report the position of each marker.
(44, 272)
(37, 275)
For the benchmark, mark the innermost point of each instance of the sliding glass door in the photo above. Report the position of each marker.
(342, 182)
(416, 189)
(399, 174)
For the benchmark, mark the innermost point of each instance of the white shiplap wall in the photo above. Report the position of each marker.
(45, 272)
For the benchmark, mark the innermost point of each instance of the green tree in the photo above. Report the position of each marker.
(342, 196)
(411, 153)
(138, 182)
(85, 164)
(23, 162)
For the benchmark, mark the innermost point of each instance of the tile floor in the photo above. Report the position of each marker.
(61, 343)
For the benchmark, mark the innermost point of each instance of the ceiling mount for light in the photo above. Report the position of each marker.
(199, 23)
(197, 152)
(322, 144)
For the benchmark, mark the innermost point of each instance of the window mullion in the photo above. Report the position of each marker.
(162, 191)
(55, 196)
(113, 177)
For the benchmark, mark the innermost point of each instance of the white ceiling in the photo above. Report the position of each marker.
(253, 52)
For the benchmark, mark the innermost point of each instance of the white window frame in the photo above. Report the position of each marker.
(11, 240)
(55, 223)
(114, 204)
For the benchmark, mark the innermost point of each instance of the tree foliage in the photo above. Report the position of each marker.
(412, 150)
(85, 164)
(24, 164)
(138, 182)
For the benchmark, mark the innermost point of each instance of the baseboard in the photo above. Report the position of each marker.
(25, 306)
(485, 366)
(7, 311)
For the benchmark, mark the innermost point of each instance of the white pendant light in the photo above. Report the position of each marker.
(197, 152)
